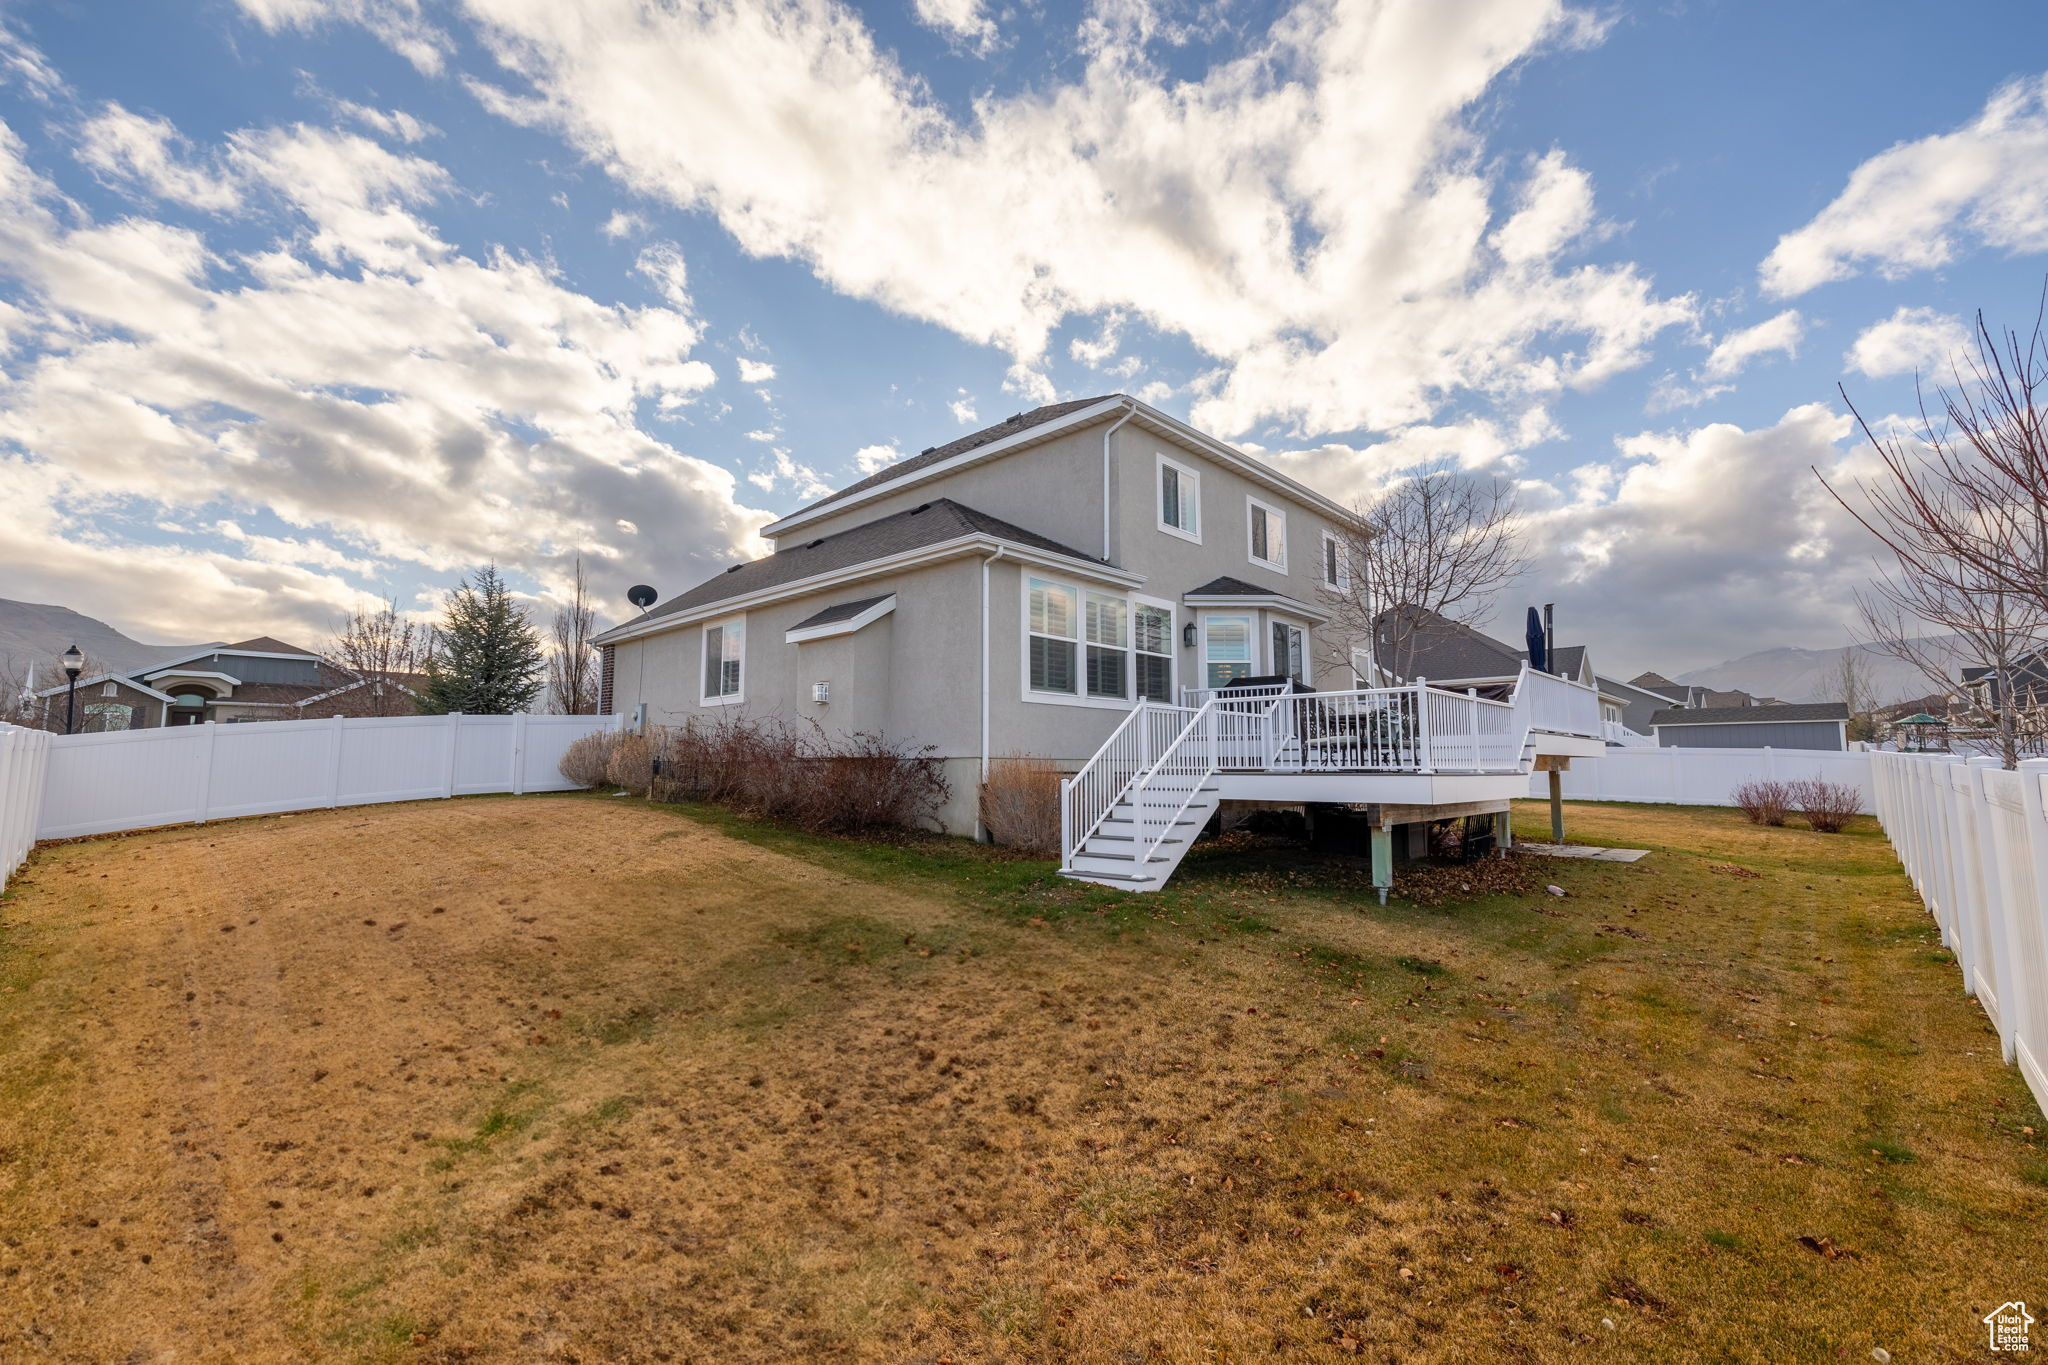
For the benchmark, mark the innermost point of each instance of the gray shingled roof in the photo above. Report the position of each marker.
(1227, 586)
(931, 455)
(930, 523)
(1752, 715)
(841, 611)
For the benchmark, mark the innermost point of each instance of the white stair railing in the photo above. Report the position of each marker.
(1087, 798)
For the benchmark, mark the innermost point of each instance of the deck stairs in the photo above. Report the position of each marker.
(1131, 813)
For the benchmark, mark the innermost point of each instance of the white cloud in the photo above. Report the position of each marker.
(1920, 204)
(755, 371)
(765, 437)
(623, 224)
(399, 24)
(148, 154)
(396, 403)
(390, 122)
(962, 409)
(1910, 340)
(869, 459)
(964, 20)
(1779, 335)
(1318, 216)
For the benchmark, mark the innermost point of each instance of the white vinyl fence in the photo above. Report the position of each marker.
(1974, 840)
(1702, 777)
(23, 754)
(133, 779)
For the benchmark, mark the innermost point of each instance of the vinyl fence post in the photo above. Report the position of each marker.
(205, 784)
(334, 744)
(454, 751)
(519, 753)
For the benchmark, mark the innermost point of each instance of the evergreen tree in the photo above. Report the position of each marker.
(487, 656)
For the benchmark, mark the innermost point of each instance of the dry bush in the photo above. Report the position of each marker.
(855, 784)
(588, 760)
(1765, 803)
(632, 764)
(1020, 804)
(1827, 806)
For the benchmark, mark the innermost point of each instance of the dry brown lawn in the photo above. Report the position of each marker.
(577, 1079)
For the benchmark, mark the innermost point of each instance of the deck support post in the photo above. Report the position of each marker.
(1556, 806)
(1503, 833)
(1382, 860)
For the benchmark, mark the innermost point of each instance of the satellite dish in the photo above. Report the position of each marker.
(641, 596)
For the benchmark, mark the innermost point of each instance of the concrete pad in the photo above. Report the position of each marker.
(1605, 855)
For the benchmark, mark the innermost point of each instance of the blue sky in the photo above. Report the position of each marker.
(305, 301)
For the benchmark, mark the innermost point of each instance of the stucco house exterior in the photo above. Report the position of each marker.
(1091, 582)
(1788, 725)
(251, 680)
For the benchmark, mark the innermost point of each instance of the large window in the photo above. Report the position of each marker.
(1268, 534)
(1153, 638)
(725, 647)
(1226, 649)
(1093, 648)
(1180, 500)
(1109, 644)
(1053, 630)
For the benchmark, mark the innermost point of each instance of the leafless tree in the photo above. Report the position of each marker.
(388, 652)
(1850, 685)
(572, 667)
(1962, 504)
(1437, 545)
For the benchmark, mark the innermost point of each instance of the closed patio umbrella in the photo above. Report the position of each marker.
(1538, 658)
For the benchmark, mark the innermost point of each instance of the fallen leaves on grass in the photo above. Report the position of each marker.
(1732, 870)
(1421, 884)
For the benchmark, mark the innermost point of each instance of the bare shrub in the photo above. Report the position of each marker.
(1765, 803)
(1020, 804)
(854, 784)
(587, 761)
(1827, 806)
(632, 764)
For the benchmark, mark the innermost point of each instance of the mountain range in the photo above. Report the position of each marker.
(37, 633)
(1792, 674)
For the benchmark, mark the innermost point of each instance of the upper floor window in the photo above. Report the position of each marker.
(1268, 532)
(1180, 500)
(725, 648)
(1336, 564)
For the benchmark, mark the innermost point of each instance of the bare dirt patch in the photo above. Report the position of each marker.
(568, 1079)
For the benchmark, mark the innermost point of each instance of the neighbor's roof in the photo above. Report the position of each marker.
(261, 644)
(1657, 682)
(841, 611)
(1752, 715)
(1444, 650)
(931, 455)
(930, 523)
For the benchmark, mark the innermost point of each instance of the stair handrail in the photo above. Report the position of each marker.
(1087, 818)
(1206, 718)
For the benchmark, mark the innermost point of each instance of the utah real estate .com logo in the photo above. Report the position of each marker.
(2008, 1323)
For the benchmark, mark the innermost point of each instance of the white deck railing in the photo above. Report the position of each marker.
(1417, 728)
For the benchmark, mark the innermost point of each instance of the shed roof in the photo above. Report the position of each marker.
(1752, 715)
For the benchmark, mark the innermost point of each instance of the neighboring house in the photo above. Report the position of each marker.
(1436, 648)
(1803, 725)
(2029, 678)
(1681, 694)
(1021, 590)
(258, 679)
(1637, 702)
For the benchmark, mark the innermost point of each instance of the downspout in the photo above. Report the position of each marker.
(984, 664)
(1130, 411)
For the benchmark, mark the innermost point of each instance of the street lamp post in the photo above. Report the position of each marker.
(74, 664)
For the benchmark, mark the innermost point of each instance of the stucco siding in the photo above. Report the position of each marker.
(1819, 734)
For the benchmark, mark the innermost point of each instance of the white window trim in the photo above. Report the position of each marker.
(1308, 645)
(704, 660)
(1343, 583)
(1080, 697)
(1255, 617)
(1172, 655)
(1191, 496)
(1273, 514)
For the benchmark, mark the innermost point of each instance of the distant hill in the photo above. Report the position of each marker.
(1809, 674)
(39, 632)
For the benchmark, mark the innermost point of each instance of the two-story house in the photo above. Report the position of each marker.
(251, 680)
(1015, 591)
(1097, 583)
